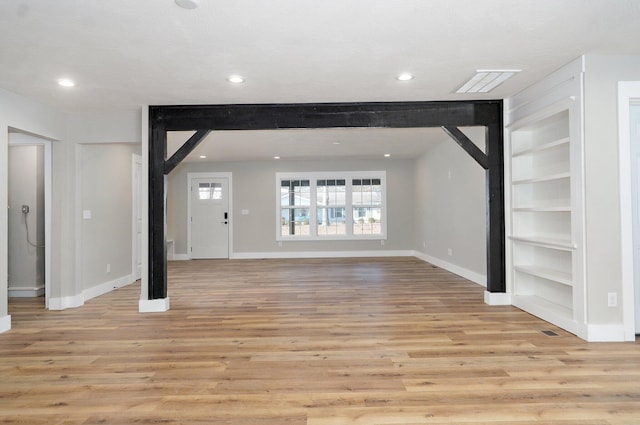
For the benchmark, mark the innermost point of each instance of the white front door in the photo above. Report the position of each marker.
(209, 217)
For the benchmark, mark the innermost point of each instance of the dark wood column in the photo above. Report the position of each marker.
(495, 208)
(157, 208)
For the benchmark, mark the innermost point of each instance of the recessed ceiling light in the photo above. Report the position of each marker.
(66, 82)
(276, 157)
(203, 156)
(387, 155)
(336, 143)
(236, 79)
(188, 4)
(486, 80)
(405, 76)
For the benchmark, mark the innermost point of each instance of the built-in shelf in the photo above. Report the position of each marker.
(544, 242)
(546, 263)
(546, 273)
(545, 178)
(543, 147)
(543, 209)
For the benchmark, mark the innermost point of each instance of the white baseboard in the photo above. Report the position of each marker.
(153, 306)
(460, 271)
(103, 288)
(497, 298)
(605, 333)
(61, 303)
(181, 257)
(26, 291)
(320, 254)
(5, 323)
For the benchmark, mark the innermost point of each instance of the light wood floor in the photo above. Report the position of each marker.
(315, 342)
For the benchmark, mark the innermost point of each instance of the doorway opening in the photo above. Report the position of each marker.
(29, 223)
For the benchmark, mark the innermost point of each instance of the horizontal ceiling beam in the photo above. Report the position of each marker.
(326, 115)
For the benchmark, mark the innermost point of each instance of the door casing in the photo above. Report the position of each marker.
(192, 176)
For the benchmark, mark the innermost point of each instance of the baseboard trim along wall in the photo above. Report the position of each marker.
(5, 323)
(103, 288)
(26, 291)
(61, 303)
(475, 277)
(319, 254)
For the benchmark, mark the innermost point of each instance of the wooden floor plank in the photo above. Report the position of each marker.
(375, 341)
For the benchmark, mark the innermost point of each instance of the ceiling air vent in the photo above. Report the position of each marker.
(486, 80)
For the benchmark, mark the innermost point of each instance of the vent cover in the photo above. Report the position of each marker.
(486, 80)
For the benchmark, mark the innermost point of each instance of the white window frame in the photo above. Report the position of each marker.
(348, 176)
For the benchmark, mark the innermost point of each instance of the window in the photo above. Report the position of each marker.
(331, 205)
(367, 203)
(210, 191)
(295, 194)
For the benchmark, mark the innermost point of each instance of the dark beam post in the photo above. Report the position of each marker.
(495, 209)
(465, 143)
(185, 150)
(157, 237)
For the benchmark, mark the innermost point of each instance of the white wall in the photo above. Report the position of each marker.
(450, 205)
(26, 187)
(105, 180)
(602, 195)
(254, 189)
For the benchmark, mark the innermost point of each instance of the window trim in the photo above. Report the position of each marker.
(313, 177)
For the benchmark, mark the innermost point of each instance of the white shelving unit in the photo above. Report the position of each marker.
(546, 265)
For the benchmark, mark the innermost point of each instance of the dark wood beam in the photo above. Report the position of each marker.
(465, 143)
(185, 150)
(495, 208)
(326, 115)
(157, 239)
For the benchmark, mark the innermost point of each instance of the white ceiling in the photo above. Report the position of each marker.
(123, 54)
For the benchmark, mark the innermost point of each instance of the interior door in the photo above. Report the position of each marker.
(210, 217)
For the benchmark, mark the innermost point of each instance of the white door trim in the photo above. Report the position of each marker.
(190, 177)
(628, 93)
(136, 193)
(17, 139)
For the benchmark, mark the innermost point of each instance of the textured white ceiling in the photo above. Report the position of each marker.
(124, 54)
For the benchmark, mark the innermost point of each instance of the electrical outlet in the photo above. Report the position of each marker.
(108, 268)
(612, 299)
(450, 251)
